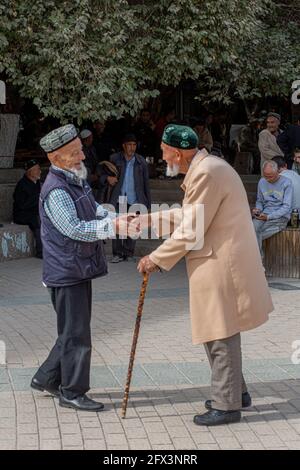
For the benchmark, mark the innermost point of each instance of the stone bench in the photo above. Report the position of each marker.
(16, 241)
(282, 254)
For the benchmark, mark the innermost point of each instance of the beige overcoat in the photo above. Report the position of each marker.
(227, 285)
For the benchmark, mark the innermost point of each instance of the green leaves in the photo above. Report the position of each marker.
(90, 59)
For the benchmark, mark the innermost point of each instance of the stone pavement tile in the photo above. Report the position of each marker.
(27, 428)
(246, 437)
(262, 429)
(178, 432)
(227, 443)
(7, 412)
(136, 433)
(28, 440)
(94, 444)
(131, 423)
(293, 445)
(271, 442)
(164, 374)
(50, 433)
(92, 433)
(7, 423)
(102, 377)
(172, 421)
(69, 428)
(221, 431)
(71, 440)
(89, 422)
(45, 412)
(159, 438)
(197, 373)
(183, 443)
(165, 410)
(154, 427)
(139, 376)
(288, 435)
(252, 446)
(66, 418)
(7, 444)
(204, 437)
(48, 423)
(208, 447)
(112, 428)
(163, 447)
(7, 433)
(119, 447)
(139, 444)
(50, 444)
(78, 447)
(115, 440)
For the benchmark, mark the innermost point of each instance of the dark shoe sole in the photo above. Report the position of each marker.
(67, 405)
(40, 388)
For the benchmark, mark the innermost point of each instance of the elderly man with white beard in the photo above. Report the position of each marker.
(73, 226)
(228, 289)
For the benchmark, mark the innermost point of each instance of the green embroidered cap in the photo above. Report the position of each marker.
(58, 138)
(181, 137)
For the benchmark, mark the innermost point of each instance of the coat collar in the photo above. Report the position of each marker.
(200, 155)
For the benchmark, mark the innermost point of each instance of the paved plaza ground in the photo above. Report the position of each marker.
(171, 377)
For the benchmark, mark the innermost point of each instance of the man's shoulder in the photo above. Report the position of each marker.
(264, 133)
(116, 157)
(140, 159)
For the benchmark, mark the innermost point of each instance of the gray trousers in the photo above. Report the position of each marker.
(227, 381)
(265, 229)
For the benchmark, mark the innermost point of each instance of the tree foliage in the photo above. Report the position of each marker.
(89, 59)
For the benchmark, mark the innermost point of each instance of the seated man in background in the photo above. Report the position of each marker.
(26, 202)
(274, 203)
(291, 175)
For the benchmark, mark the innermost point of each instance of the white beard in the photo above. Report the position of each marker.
(82, 173)
(172, 171)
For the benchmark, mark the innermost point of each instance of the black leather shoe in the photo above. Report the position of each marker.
(36, 385)
(246, 401)
(81, 403)
(217, 417)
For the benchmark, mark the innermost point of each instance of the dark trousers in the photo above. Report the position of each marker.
(38, 242)
(227, 381)
(68, 363)
(123, 246)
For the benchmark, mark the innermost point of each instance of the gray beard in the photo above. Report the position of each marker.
(174, 171)
(82, 173)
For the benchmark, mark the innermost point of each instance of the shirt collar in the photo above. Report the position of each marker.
(69, 175)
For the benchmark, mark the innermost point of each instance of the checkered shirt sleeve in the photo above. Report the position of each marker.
(61, 210)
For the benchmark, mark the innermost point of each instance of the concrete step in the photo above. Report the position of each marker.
(16, 241)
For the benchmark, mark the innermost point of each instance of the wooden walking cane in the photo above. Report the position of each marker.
(134, 342)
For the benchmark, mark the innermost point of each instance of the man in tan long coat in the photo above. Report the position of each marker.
(227, 284)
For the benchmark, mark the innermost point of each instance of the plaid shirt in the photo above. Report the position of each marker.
(61, 210)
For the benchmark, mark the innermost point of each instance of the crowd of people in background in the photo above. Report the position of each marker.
(121, 155)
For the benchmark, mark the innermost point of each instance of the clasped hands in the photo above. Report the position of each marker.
(132, 225)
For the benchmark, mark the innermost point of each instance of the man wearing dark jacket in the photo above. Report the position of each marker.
(26, 202)
(132, 184)
(288, 140)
